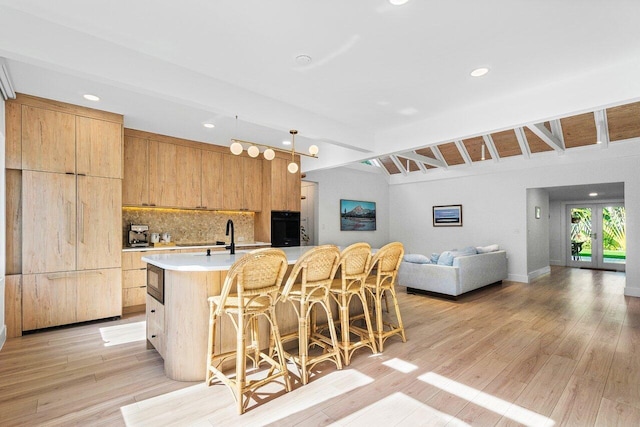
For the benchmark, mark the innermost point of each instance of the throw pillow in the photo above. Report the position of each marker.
(416, 259)
(446, 258)
(487, 249)
(469, 250)
(434, 258)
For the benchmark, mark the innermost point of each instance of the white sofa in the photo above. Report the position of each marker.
(466, 274)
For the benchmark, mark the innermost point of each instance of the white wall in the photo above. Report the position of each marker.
(557, 255)
(346, 183)
(495, 206)
(537, 232)
(308, 210)
(3, 326)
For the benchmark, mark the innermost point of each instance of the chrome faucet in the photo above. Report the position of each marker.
(232, 246)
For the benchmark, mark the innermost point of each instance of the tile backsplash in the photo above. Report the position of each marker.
(190, 226)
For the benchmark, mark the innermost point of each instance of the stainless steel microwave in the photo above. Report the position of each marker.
(155, 282)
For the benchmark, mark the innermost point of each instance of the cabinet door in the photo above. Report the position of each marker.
(48, 140)
(189, 172)
(48, 222)
(99, 223)
(293, 190)
(135, 185)
(163, 176)
(232, 191)
(99, 294)
(252, 184)
(212, 180)
(48, 300)
(98, 147)
(279, 184)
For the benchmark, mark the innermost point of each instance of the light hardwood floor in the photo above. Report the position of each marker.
(563, 350)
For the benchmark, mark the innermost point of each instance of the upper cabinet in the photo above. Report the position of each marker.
(212, 180)
(174, 175)
(285, 187)
(242, 188)
(135, 185)
(98, 148)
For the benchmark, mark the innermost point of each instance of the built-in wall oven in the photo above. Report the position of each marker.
(285, 228)
(155, 282)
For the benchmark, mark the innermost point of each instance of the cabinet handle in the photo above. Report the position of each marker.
(153, 336)
(81, 221)
(67, 207)
(57, 276)
(153, 311)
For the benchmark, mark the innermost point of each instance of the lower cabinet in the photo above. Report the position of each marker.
(53, 299)
(134, 289)
(155, 325)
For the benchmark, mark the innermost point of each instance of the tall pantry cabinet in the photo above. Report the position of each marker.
(70, 211)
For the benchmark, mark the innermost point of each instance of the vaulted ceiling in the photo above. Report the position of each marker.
(361, 79)
(597, 129)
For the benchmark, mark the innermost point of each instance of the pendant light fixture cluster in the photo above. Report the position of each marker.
(237, 147)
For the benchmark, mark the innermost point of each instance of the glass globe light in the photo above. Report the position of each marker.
(293, 167)
(269, 154)
(236, 148)
(253, 151)
(313, 150)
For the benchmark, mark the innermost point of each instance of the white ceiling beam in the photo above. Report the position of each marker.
(463, 152)
(491, 147)
(602, 128)
(556, 130)
(398, 164)
(544, 134)
(439, 156)
(422, 159)
(522, 141)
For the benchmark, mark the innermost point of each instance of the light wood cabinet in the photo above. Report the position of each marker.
(48, 140)
(99, 213)
(174, 175)
(53, 299)
(48, 222)
(13, 305)
(212, 180)
(98, 147)
(285, 187)
(135, 185)
(13, 132)
(242, 183)
(156, 333)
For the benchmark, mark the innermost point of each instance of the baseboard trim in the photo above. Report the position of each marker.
(632, 291)
(540, 272)
(517, 278)
(3, 336)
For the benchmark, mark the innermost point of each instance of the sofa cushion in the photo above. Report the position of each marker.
(446, 258)
(417, 259)
(469, 250)
(434, 258)
(487, 249)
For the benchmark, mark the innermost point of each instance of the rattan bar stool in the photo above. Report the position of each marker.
(250, 290)
(381, 284)
(307, 288)
(354, 268)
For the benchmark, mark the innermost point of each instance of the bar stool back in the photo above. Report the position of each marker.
(250, 290)
(354, 268)
(381, 281)
(307, 288)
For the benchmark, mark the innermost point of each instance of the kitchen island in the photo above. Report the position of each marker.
(178, 329)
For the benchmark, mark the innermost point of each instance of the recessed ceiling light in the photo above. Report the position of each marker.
(398, 2)
(90, 97)
(478, 72)
(209, 125)
(593, 194)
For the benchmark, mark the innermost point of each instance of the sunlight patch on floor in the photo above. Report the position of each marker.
(196, 404)
(492, 403)
(400, 365)
(399, 409)
(123, 334)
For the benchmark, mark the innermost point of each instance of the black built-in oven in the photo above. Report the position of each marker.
(155, 282)
(285, 228)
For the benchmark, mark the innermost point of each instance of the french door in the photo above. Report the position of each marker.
(597, 236)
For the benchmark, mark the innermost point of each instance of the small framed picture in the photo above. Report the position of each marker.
(537, 212)
(447, 216)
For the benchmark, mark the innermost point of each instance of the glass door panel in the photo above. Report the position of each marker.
(614, 237)
(580, 236)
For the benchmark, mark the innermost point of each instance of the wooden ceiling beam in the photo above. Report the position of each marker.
(419, 158)
(382, 166)
(545, 135)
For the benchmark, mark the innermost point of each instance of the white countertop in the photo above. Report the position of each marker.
(212, 246)
(218, 261)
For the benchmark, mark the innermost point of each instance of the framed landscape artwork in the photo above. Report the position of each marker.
(356, 215)
(447, 216)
